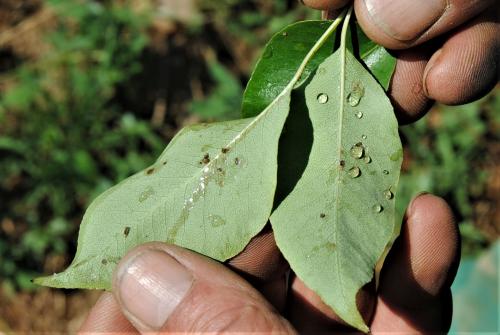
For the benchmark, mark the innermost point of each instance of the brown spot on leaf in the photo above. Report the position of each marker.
(206, 159)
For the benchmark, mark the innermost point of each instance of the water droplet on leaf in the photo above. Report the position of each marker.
(357, 150)
(354, 172)
(363, 137)
(357, 92)
(367, 159)
(377, 208)
(322, 98)
(388, 194)
(358, 114)
(385, 172)
(268, 53)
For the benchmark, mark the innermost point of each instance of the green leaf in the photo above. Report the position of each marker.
(334, 227)
(211, 191)
(286, 50)
(279, 61)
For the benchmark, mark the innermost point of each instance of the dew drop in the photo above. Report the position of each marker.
(385, 172)
(268, 53)
(285, 34)
(357, 92)
(322, 98)
(367, 159)
(357, 150)
(358, 114)
(354, 172)
(388, 194)
(363, 137)
(237, 161)
(377, 208)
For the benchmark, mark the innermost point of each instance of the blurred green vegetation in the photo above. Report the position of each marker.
(114, 85)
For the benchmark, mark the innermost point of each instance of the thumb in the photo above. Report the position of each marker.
(162, 287)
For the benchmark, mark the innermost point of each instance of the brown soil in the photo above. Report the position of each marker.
(46, 311)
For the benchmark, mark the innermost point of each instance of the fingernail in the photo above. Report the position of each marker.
(405, 20)
(150, 287)
(428, 68)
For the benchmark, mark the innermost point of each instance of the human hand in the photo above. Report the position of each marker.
(159, 287)
(447, 50)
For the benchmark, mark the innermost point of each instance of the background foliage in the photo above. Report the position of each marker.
(92, 91)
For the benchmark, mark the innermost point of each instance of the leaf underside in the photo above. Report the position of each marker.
(335, 225)
(211, 191)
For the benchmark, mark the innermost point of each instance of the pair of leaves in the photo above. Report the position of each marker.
(213, 187)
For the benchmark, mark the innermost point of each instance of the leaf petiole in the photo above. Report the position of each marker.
(318, 45)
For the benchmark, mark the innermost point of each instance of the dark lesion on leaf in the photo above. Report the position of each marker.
(342, 164)
(126, 231)
(225, 150)
(206, 159)
(104, 261)
(322, 215)
(150, 171)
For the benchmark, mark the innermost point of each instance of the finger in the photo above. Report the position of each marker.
(406, 90)
(166, 288)
(467, 65)
(262, 264)
(310, 315)
(414, 292)
(325, 4)
(399, 24)
(106, 317)
(261, 260)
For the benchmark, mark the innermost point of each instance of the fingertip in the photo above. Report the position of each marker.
(426, 254)
(325, 4)
(466, 67)
(416, 279)
(433, 243)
